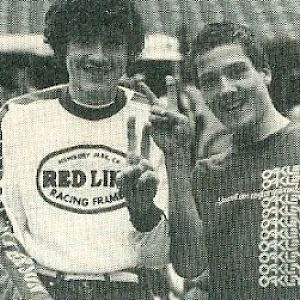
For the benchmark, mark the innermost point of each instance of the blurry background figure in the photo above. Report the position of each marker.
(161, 56)
(26, 64)
(284, 56)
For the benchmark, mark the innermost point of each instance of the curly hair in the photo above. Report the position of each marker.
(115, 21)
(217, 34)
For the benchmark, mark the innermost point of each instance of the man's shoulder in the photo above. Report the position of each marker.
(289, 138)
(52, 92)
(293, 128)
(32, 98)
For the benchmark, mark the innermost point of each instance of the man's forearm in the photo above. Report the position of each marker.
(188, 250)
(19, 266)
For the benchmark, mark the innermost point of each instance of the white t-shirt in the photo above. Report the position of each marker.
(59, 188)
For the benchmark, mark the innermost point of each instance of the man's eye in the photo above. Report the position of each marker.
(236, 71)
(97, 67)
(89, 67)
(208, 80)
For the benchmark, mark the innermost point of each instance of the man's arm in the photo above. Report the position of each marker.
(141, 187)
(188, 252)
(171, 131)
(18, 265)
(174, 134)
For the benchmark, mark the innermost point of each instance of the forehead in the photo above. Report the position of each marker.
(95, 46)
(221, 56)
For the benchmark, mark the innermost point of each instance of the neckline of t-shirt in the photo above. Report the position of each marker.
(92, 113)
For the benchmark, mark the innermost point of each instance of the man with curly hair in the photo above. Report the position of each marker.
(70, 233)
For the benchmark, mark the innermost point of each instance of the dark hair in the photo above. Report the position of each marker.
(116, 21)
(284, 57)
(217, 34)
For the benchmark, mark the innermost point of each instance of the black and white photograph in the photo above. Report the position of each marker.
(149, 150)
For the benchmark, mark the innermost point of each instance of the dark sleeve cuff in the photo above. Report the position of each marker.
(147, 221)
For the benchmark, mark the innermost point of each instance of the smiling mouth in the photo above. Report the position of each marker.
(232, 105)
(97, 70)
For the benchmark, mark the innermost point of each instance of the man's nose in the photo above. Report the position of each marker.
(226, 85)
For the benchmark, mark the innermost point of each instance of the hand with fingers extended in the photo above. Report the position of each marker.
(173, 126)
(138, 182)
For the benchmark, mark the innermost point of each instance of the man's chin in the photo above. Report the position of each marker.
(96, 97)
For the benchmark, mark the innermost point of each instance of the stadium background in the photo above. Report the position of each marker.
(275, 18)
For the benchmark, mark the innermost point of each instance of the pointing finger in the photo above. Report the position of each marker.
(194, 96)
(185, 104)
(148, 93)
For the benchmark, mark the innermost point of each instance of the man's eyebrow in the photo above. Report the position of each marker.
(240, 63)
(88, 57)
(208, 72)
(237, 63)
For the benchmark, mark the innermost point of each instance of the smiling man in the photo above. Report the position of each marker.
(245, 203)
(240, 211)
(75, 236)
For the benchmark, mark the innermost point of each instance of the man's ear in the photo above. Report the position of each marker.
(266, 75)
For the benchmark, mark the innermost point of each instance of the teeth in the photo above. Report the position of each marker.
(232, 105)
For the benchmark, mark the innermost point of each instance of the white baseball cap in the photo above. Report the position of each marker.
(24, 43)
(159, 46)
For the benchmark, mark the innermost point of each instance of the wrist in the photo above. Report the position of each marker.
(179, 159)
(146, 220)
(178, 153)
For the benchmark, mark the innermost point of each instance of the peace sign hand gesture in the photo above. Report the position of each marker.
(173, 129)
(138, 182)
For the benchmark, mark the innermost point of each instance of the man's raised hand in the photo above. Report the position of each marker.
(173, 126)
(138, 182)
